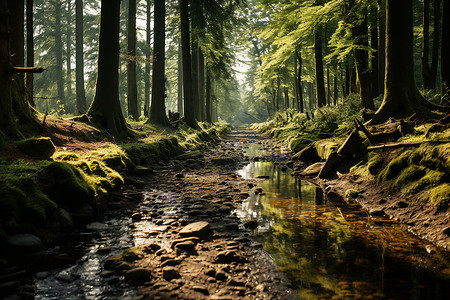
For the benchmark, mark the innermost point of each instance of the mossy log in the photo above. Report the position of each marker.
(404, 144)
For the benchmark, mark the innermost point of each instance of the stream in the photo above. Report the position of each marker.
(330, 254)
(326, 251)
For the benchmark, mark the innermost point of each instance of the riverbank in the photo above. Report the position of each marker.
(398, 171)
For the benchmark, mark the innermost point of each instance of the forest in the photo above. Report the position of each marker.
(203, 149)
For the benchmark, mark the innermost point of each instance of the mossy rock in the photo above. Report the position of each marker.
(440, 196)
(41, 147)
(325, 147)
(307, 154)
(394, 167)
(297, 144)
(65, 185)
(410, 174)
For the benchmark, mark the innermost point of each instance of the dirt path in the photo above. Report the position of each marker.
(215, 258)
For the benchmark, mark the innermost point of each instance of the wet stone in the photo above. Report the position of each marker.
(201, 289)
(188, 246)
(170, 273)
(136, 217)
(251, 224)
(138, 275)
(198, 229)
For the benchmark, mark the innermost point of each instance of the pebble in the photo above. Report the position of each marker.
(170, 273)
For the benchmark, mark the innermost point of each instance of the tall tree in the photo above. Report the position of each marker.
(133, 108)
(180, 80)
(59, 53)
(189, 112)
(105, 109)
(30, 52)
(381, 44)
(79, 57)
(401, 96)
(318, 61)
(8, 125)
(69, 53)
(158, 106)
(429, 73)
(148, 53)
(445, 54)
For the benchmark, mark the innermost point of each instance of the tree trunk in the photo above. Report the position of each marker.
(30, 53)
(69, 56)
(189, 112)
(59, 59)
(81, 95)
(320, 84)
(148, 54)
(201, 85)
(180, 80)
(105, 109)
(445, 54)
(8, 125)
(436, 40)
(381, 45)
(209, 83)
(359, 33)
(426, 76)
(401, 96)
(195, 82)
(158, 106)
(328, 86)
(347, 79)
(374, 56)
(335, 87)
(133, 108)
(299, 81)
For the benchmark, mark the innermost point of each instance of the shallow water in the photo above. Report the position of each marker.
(328, 252)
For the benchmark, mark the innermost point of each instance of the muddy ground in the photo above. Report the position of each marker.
(217, 259)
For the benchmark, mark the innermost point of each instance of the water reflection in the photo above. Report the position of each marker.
(327, 256)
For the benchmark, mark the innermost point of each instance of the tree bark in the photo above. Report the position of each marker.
(133, 108)
(381, 45)
(158, 106)
(105, 109)
(8, 125)
(401, 96)
(69, 56)
(30, 53)
(189, 112)
(79, 52)
(429, 72)
(320, 84)
(445, 54)
(59, 59)
(374, 55)
(299, 81)
(201, 85)
(359, 33)
(148, 54)
(209, 83)
(180, 80)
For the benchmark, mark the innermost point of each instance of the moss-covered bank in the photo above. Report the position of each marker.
(57, 190)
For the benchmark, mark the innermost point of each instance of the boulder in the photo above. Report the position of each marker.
(200, 229)
(138, 276)
(313, 169)
(25, 243)
(42, 147)
(170, 273)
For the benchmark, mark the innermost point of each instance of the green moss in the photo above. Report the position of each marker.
(351, 195)
(38, 147)
(299, 143)
(374, 164)
(394, 167)
(132, 254)
(410, 174)
(65, 185)
(440, 196)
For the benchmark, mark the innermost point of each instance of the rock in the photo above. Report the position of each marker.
(141, 170)
(64, 220)
(235, 282)
(64, 277)
(136, 217)
(106, 273)
(258, 191)
(313, 169)
(200, 229)
(170, 273)
(221, 276)
(187, 246)
(226, 257)
(42, 275)
(179, 175)
(211, 272)
(307, 154)
(244, 195)
(42, 147)
(195, 240)
(96, 226)
(351, 145)
(152, 248)
(201, 289)
(25, 243)
(251, 224)
(263, 177)
(171, 262)
(446, 231)
(224, 209)
(401, 204)
(138, 276)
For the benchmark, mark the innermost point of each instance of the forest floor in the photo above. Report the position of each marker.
(200, 248)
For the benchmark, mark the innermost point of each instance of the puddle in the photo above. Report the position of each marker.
(325, 254)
